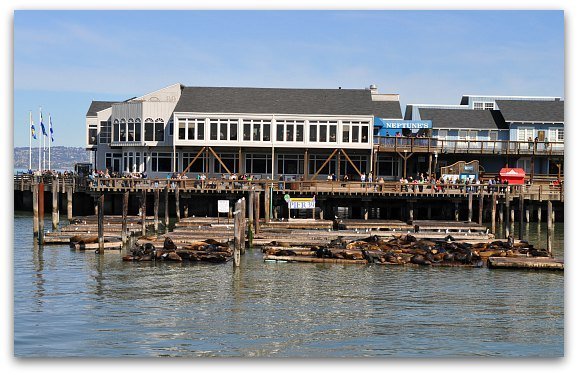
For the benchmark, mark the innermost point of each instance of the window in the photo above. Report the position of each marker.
(132, 161)
(462, 134)
(316, 161)
(560, 135)
(256, 136)
(333, 133)
(123, 130)
(230, 160)
(116, 131)
(360, 161)
(266, 131)
(191, 127)
(137, 130)
(442, 134)
(161, 161)
(488, 106)
(355, 131)
(345, 133)
(525, 164)
(130, 130)
(292, 130)
(182, 128)
(159, 130)
(92, 132)
(493, 135)
(364, 134)
(290, 164)
(256, 130)
(473, 135)
(280, 130)
(323, 133)
(525, 134)
(478, 105)
(258, 163)
(197, 166)
(387, 166)
(112, 161)
(149, 129)
(299, 132)
(246, 130)
(105, 132)
(223, 129)
(313, 131)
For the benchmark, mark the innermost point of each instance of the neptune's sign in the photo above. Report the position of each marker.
(403, 124)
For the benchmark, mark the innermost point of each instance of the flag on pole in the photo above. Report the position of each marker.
(42, 125)
(51, 129)
(32, 129)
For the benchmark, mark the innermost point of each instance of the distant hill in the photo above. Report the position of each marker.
(60, 157)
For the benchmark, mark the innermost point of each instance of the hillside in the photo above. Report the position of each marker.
(60, 157)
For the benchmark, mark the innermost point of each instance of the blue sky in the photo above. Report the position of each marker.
(65, 59)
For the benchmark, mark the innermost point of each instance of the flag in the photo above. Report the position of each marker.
(50, 126)
(42, 125)
(32, 129)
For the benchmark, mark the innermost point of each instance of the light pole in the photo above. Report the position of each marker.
(404, 164)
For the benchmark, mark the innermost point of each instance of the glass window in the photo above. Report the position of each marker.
(213, 134)
(355, 133)
(560, 137)
(161, 161)
(137, 130)
(312, 132)
(299, 132)
(364, 134)
(130, 130)
(256, 131)
(345, 133)
(149, 129)
(116, 131)
(478, 105)
(488, 105)
(105, 131)
(323, 133)
(182, 128)
(223, 133)
(123, 130)
(493, 135)
(280, 127)
(200, 129)
(246, 130)
(233, 129)
(159, 130)
(290, 134)
(92, 132)
(332, 133)
(266, 131)
(191, 127)
(442, 134)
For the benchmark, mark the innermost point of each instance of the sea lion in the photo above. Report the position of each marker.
(419, 259)
(168, 244)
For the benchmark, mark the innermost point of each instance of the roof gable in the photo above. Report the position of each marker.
(97, 106)
(532, 110)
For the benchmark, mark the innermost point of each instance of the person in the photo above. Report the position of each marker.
(370, 177)
(280, 182)
(362, 179)
(329, 178)
(529, 143)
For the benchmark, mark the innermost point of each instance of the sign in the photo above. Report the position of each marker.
(223, 206)
(403, 124)
(301, 203)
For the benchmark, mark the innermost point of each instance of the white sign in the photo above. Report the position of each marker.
(223, 206)
(301, 203)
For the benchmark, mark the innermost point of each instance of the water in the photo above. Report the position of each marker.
(74, 304)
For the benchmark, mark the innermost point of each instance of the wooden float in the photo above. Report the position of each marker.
(540, 263)
(306, 259)
(111, 245)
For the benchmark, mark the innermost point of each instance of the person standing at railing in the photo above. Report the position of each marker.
(362, 179)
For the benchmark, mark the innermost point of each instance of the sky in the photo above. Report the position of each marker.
(65, 59)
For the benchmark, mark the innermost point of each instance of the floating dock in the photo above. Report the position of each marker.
(534, 263)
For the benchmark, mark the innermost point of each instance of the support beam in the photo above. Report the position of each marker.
(470, 203)
(194, 160)
(521, 211)
(305, 169)
(41, 213)
(101, 223)
(124, 233)
(156, 210)
(55, 208)
(324, 164)
(493, 212)
(500, 213)
(251, 207)
(143, 213)
(267, 203)
(69, 203)
(550, 229)
(219, 159)
(481, 208)
(35, 221)
(527, 213)
(166, 223)
(257, 212)
(508, 221)
(351, 162)
(177, 203)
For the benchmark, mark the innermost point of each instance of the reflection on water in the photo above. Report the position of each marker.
(82, 304)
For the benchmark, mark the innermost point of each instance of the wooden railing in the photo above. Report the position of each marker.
(418, 144)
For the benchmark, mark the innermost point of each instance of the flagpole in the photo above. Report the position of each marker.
(49, 139)
(30, 141)
(40, 142)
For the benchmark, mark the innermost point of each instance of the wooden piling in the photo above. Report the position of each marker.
(186, 208)
(507, 223)
(267, 203)
(457, 211)
(55, 213)
(125, 197)
(251, 207)
(550, 229)
(177, 203)
(539, 212)
(470, 205)
(501, 213)
(410, 212)
(553, 216)
(528, 214)
(41, 213)
(166, 223)
(69, 204)
(243, 233)
(257, 212)
(143, 212)
(156, 209)
(101, 223)
(35, 221)
(493, 218)
(481, 208)
(237, 234)
(521, 210)
(428, 212)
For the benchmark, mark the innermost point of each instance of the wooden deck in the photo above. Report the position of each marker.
(526, 263)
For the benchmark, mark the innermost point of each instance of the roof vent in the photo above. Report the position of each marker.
(372, 87)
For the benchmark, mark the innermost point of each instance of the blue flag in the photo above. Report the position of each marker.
(33, 131)
(42, 125)
(50, 126)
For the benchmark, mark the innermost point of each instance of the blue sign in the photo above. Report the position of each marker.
(403, 124)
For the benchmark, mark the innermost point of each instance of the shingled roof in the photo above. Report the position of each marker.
(389, 109)
(275, 100)
(532, 110)
(462, 118)
(97, 106)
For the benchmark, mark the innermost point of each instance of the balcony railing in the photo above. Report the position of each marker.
(418, 144)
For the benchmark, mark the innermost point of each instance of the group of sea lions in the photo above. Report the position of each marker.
(406, 249)
(207, 251)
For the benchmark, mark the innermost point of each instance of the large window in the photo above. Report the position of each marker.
(290, 130)
(92, 132)
(130, 131)
(137, 130)
(353, 132)
(132, 161)
(116, 131)
(223, 129)
(525, 134)
(105, 132)
(191, 129)
(149, 129)
(316, 161)
(258, 163)
(159, 130)
(290, 164)
(387, 166)
(257, 130)
(161, 161)
(230, 160)
(197, 166)
(112, 161)
(122, 130)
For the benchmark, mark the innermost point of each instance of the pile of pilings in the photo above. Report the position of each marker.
(199, 251)
(403, 250)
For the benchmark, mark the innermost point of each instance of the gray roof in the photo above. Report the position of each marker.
(275, 100)
(97, 106)
(408, 112)
(461, 118)
(387, 109)
(532, 110)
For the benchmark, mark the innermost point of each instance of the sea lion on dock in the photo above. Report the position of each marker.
(168, 244)
(420, 259)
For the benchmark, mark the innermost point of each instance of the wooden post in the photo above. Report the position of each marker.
(553, 216)
(366, 211)
(177, 203)
(539, 212)
(69, 203)
(481, 208)
(41, 213)
(55, 213)
(429, 212)
(251, 210)
(550, 229)
(35, 221)
(186, 208)
(470, 205)
(257, 212)
(101, 223)
(237, 235)
(167, 208)
(457, 211)
(527, 213)
(501, 213)
(410, 215)
(521, 210)
(507, 223)
(493, 219)
(156, 210)
(143, 213)
(124, 233)
(243, 224)
(267, 203)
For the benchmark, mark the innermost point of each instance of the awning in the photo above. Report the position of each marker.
(513, 175)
